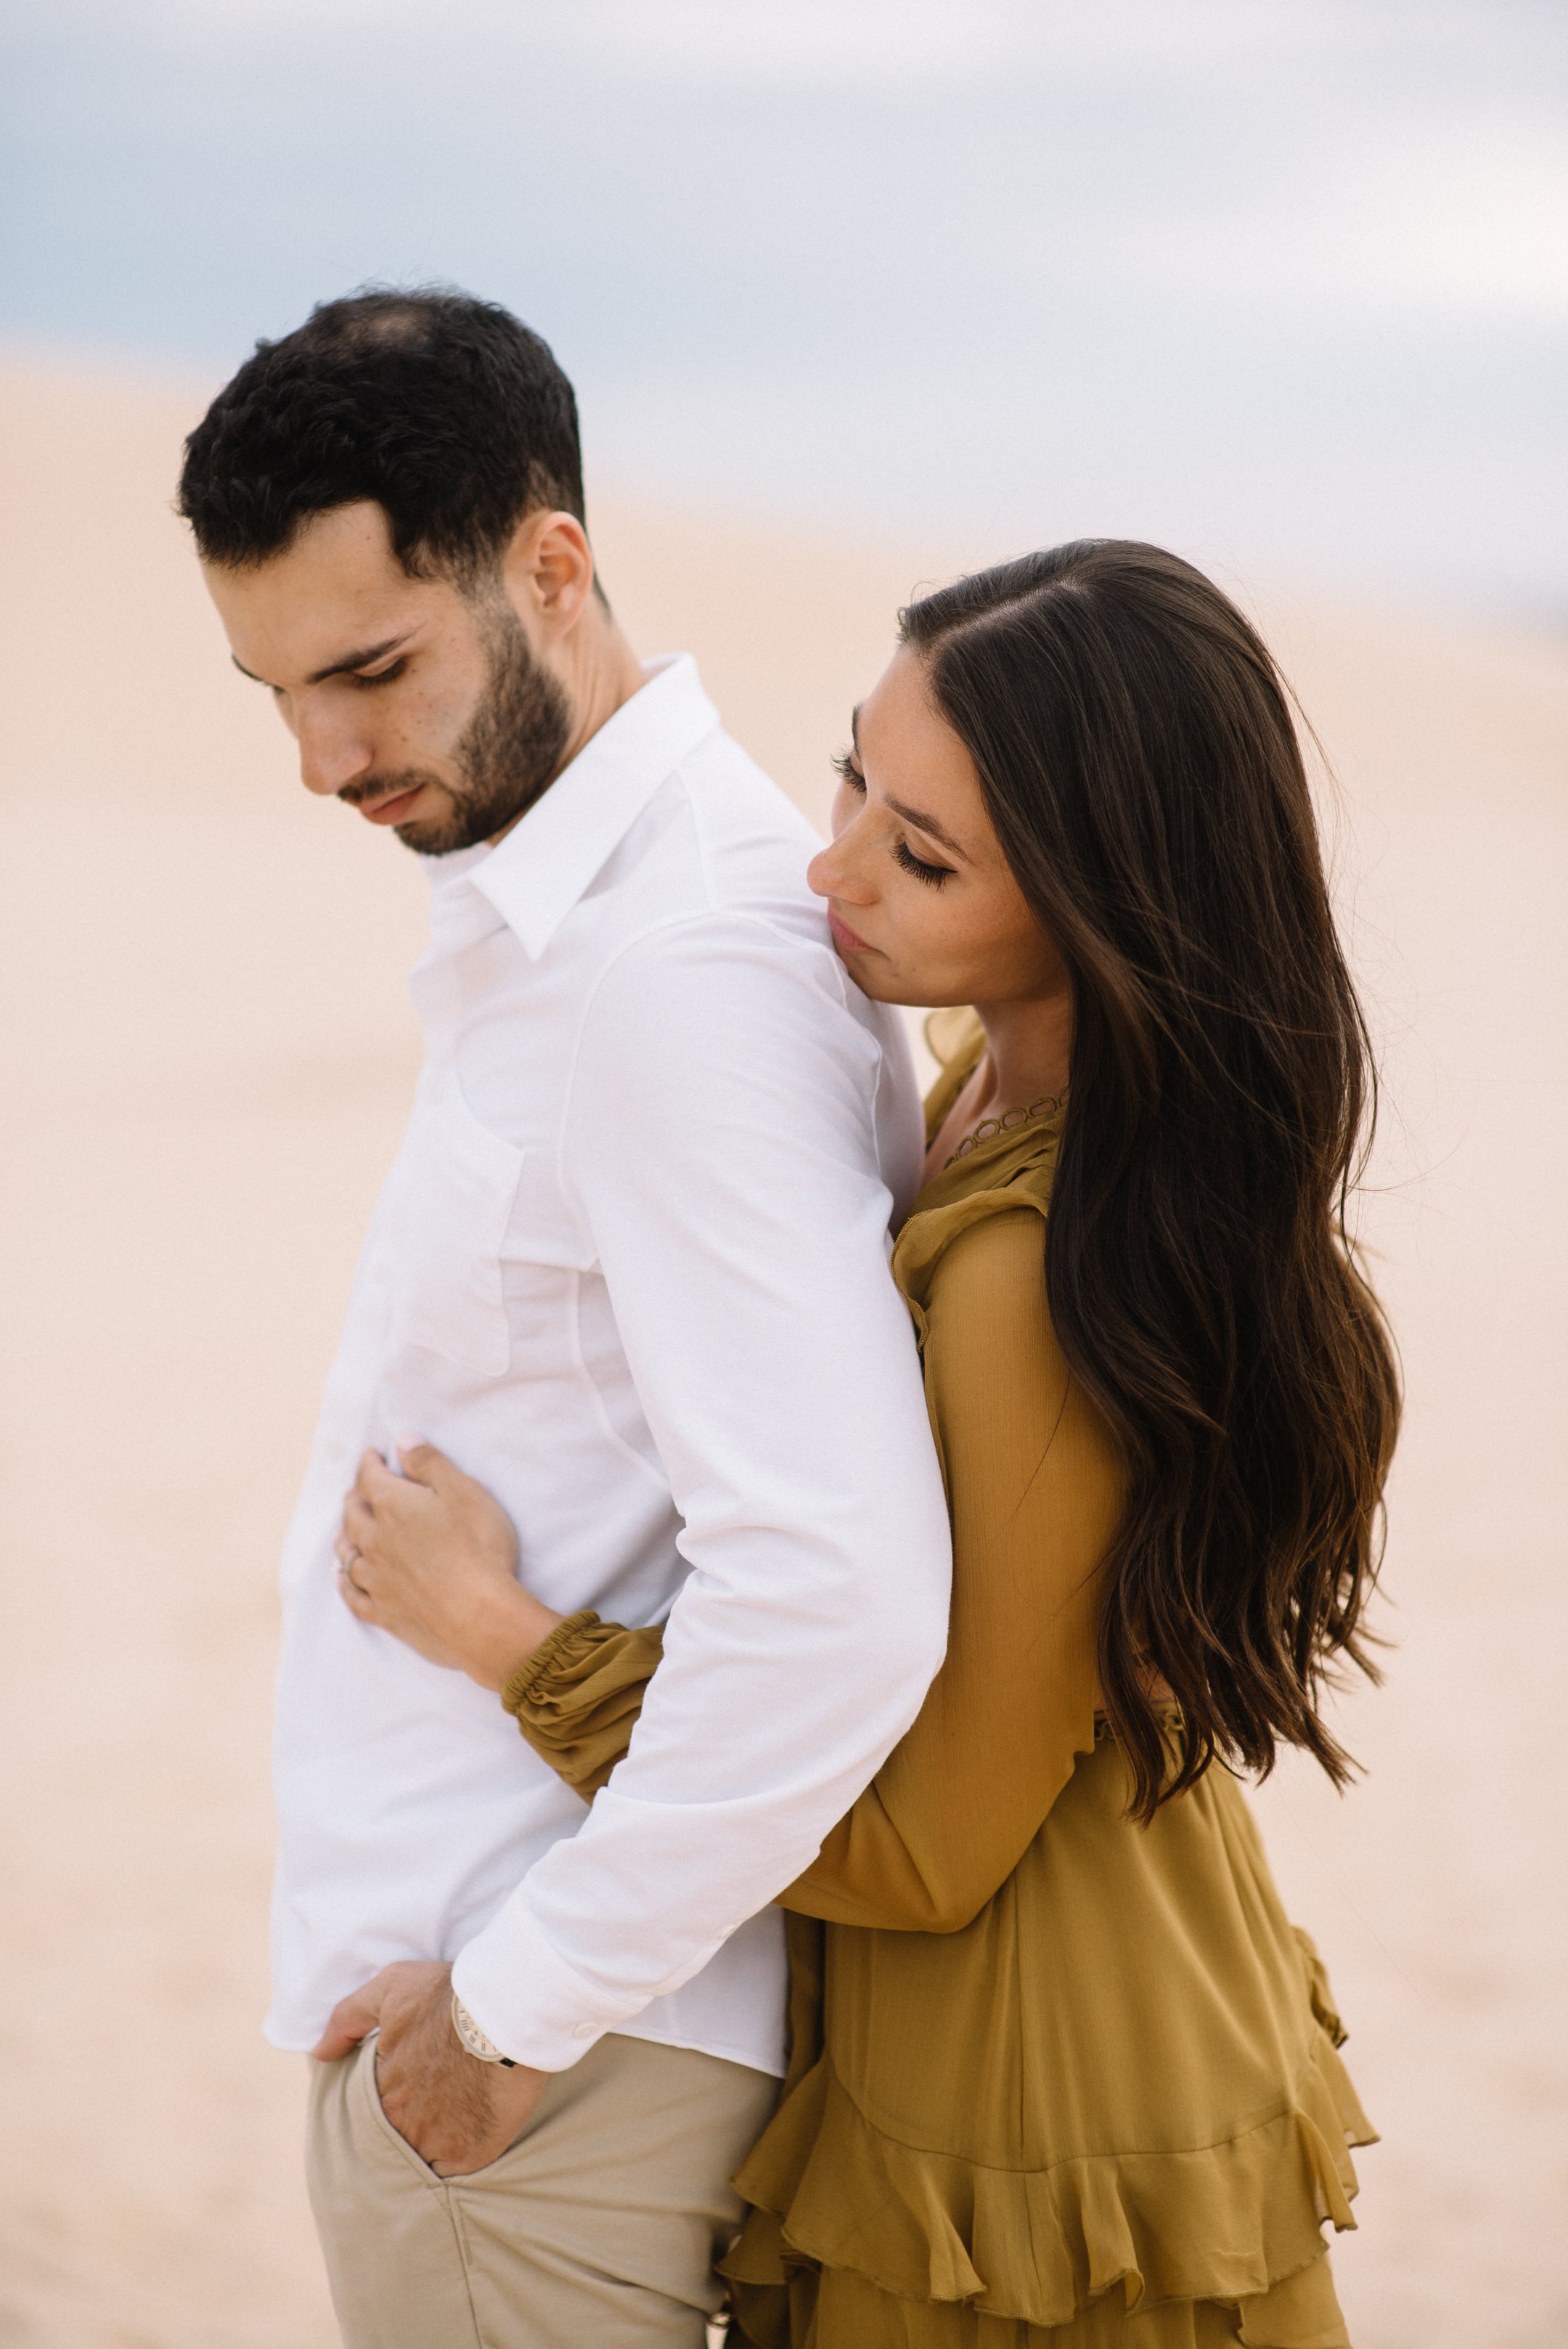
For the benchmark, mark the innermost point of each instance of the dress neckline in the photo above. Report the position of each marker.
(1004, 1156)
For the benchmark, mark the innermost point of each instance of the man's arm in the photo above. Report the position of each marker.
(719, 1151)
(1036, 1490)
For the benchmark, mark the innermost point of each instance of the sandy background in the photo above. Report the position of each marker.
(207, 1056)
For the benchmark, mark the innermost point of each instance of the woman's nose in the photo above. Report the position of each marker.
(832, 873)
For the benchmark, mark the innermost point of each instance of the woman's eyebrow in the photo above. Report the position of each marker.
(927, 823)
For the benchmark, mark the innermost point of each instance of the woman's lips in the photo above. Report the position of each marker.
(845, 938)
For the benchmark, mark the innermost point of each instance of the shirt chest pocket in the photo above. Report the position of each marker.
(459, 1181)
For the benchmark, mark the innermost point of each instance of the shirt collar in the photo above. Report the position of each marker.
(536, 874)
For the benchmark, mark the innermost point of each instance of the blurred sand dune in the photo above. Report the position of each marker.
(208, 1051)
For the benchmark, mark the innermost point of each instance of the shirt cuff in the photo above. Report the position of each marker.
(524, 1996)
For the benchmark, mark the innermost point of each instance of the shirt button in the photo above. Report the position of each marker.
(582, 2030)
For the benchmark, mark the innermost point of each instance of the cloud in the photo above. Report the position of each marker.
(1304, 266)
(874, 45)
(1477, 217)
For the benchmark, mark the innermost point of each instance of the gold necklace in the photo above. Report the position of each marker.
(1008, 1122)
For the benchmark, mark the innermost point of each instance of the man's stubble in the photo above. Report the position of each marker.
(508, 754)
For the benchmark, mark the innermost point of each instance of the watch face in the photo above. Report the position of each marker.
(474, 2039)
(468, 2031)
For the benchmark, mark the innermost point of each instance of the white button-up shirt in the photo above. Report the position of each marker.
(630, 1270)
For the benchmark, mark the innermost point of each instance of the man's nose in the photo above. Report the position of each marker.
(332, 754)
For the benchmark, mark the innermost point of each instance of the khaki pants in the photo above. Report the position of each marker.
(598, 2229)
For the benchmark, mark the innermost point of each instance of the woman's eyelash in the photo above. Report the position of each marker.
(933, 876)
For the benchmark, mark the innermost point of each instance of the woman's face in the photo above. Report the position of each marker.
(922, 903)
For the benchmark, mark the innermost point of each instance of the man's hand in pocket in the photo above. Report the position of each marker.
(457, 2113)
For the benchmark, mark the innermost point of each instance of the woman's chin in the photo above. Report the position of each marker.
(882, 986)
(894, 987)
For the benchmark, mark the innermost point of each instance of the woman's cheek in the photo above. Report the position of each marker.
(918, 954)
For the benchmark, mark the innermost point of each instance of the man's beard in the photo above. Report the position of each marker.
(508, 754)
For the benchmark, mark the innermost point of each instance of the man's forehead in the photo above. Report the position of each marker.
(358, 521)
(352, 544)
(321, 603)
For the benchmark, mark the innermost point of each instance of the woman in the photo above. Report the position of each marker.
(1061, 2076)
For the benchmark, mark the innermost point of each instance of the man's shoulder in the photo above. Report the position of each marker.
(718, 844)
(721, 773)
(745, 824)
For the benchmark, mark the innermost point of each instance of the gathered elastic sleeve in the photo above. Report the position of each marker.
(578, 1698)
(1035, 1489)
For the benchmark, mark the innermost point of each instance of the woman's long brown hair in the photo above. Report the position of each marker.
(1137, 752)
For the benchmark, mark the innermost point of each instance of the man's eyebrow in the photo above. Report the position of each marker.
(926, 823)
(363, 658)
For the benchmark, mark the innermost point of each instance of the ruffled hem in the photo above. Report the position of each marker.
(832, 2309)
(1223, 2222)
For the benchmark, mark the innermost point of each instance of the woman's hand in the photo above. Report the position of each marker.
(430, 1557)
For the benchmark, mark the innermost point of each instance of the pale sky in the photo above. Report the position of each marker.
(1281, 282)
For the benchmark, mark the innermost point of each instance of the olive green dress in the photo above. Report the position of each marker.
(1056, 2081)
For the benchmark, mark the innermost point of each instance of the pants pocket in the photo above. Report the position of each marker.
(365, 2090)
(394, 2257)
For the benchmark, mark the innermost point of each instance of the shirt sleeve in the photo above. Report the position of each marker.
(1036, 1491)
(719, 1151)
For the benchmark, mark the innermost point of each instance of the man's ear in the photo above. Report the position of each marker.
(548, 568)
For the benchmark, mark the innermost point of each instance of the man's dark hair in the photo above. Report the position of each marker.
(445, 410)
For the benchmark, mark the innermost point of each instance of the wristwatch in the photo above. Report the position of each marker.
(474, 2040)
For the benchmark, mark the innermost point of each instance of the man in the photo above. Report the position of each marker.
(629, 1270)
